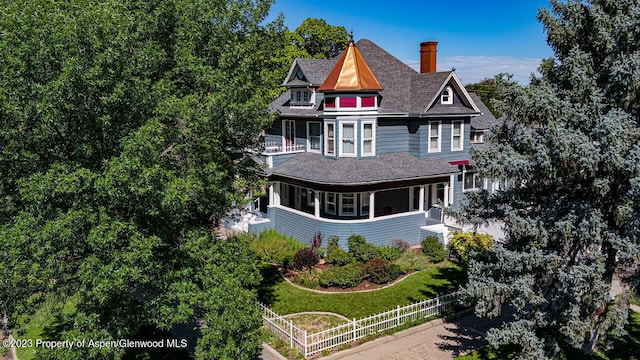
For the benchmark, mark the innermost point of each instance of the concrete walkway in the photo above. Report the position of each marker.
(439, 339)
(436, 340)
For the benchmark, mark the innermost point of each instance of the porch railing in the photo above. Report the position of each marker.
(275, 144)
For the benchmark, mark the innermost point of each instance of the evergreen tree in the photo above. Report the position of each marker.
(570, 154)
(125, 129)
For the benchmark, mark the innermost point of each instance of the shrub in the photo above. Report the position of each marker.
(402, 245)
(463, 243)
(344, 277)
(316, 242)
(377, 270)
(273, 247)
(433, 249)
(394, 271)
(335, 254)
(305, 258)
(360, 249)
(389, 253)
(412, 261)
(309, 279)
(287, 262)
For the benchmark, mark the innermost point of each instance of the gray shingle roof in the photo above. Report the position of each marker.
(314, 70)
(486, 119)
(281, 105)
(315, 168)
(406, 91)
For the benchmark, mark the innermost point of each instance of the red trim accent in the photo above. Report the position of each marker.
(330, 102)
(459, 162)
(368, 101)
(347, 102)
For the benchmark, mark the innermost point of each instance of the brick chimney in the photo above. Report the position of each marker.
(428, 50)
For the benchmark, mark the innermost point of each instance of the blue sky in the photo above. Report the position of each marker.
(479, 38)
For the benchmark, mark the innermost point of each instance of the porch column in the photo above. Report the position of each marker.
(421, 199)
(446, 195)
(271, 194)
(316, 203)
(372, 204)
(276, 193)
(452, 180)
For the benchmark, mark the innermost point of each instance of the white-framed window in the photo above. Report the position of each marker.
(447, 96)
(330, 138)
(330, 203)
(457, 129)
(435, 130)
(348, 139)
(348, 204)
(288, 135)
(471, 181)
(301, 97)
(477, 138)
(314, 136)
(364, 203)
(368, 131)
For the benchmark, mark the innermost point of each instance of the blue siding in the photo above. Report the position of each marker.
(424, 233)
(280, 158)
(416, 139)
(257, 228)
(392, 138)
(445, 145)
(380, 232)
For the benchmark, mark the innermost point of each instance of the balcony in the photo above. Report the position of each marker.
(274, 144)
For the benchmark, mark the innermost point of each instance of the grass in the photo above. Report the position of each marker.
(285, 298)
(618, 348)
(41, 324)
(314, 323)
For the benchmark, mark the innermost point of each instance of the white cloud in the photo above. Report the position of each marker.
(472, 69)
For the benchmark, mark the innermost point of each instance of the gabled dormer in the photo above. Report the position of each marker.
(450, 97)
(303, 81)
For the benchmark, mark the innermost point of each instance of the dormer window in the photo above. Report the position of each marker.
(301, 97)
(447, 96)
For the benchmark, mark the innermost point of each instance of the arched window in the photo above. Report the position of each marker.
(447, 96)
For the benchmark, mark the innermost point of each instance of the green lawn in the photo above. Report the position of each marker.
(284, 298)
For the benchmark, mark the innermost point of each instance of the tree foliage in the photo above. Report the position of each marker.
(124, 128)
(487, 90)
(570, 152)
(319, 39)
(313, 39)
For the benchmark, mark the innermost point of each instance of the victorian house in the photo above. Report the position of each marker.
(366, 145)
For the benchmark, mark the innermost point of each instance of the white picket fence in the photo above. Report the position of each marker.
(310, 344)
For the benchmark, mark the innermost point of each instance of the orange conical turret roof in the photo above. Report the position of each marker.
(350, 73)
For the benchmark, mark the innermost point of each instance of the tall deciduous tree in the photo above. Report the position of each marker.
(319, 39)
(124, 134)
(570, 152)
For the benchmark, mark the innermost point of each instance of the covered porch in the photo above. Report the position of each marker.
(364, 203)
